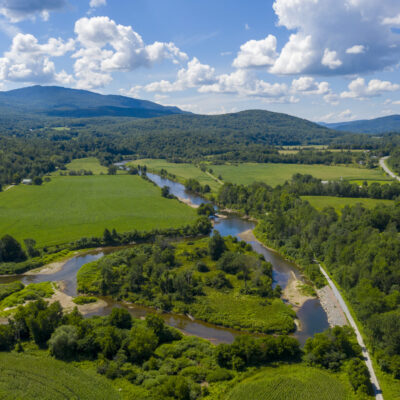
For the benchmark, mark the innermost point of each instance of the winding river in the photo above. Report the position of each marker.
(311, 315)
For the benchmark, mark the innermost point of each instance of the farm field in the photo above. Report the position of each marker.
(320, 202)
(276, 174)
(38, 376)
(71, 207)
(182, 171)
(88, 164)
(293, 382)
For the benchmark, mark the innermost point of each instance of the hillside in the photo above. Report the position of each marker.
(251, 126)
(372, 126)
(63, 102)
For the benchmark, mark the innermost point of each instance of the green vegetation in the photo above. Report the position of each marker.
(38, 376)
(182, 171)
(80, 300)
(33, 291)
(68, 208)
(338, 203)
(293, 382)
(216, 280)
(277, 174)
(87, 164)
(142, 358)
(359, 248)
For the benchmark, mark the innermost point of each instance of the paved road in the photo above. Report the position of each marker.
(386, 168)
(374, 379)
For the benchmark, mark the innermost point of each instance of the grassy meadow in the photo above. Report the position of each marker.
(70, 207)
(338, 203)
(293, 382)
(182, 171)
(39, 376)
(276, 174)
(272, 174)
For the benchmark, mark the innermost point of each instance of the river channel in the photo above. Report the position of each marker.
(311, 315)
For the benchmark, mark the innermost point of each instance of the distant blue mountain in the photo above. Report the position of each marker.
(63, 102)
(372, 126)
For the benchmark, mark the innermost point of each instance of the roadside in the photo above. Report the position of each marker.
(383, 165)
(368, 362)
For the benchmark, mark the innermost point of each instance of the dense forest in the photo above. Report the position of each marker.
(360, 248)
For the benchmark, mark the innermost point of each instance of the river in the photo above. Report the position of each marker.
(311, 315)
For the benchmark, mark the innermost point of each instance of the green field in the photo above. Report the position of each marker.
(182, 171)
(88, 164)
(275, 174)
(39, 376)
(293, 382)
(320, 202)
(68, 208)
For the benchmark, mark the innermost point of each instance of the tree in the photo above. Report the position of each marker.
(112, 170)
(7, 340)
(165, 191)
(120, 318)
(37, 180)
(11, 250)
(216, 246)
(142, 342)
(107, 237)
(359, 376)
(63, 342)
(30, 247)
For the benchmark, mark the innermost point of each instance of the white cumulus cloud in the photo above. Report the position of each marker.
(29, 61)
(327, 35)
(257, 53)
(107, 46)
(358, 89)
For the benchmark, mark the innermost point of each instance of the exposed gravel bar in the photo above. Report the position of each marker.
(331, 306)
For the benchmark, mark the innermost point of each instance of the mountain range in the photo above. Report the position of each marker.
(63, 102)
(387, 124)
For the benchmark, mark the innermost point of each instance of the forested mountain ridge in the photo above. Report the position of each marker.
(390, 123)
(64, 102)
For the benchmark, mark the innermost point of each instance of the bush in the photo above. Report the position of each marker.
(63, 342)
(80, 300)
(202, 267)
(218, 375)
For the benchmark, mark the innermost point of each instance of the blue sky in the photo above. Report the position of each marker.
(324, 60)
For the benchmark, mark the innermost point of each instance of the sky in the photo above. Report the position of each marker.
(323, 60)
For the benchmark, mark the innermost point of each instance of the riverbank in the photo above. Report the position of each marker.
(330, 304)
(68, 304)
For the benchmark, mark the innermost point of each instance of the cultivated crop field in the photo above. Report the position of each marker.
(182, 171)
(24, 376)
(276, 174)
(71, 207)
(338, 203)
(293, 382)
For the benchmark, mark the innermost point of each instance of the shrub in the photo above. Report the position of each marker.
(63, 342)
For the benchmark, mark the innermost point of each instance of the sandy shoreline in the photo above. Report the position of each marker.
(187, 202)
(68, 305)
(293, 293)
